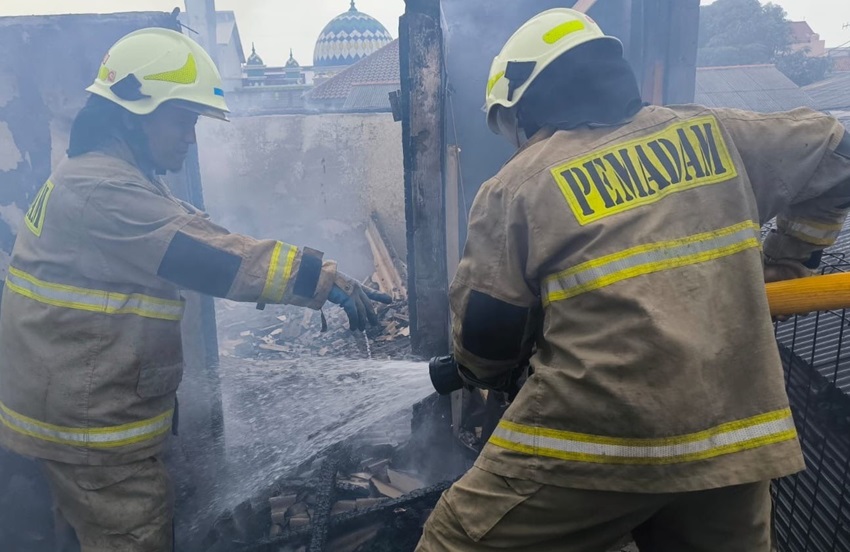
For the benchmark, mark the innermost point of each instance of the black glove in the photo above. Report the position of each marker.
(356, 300)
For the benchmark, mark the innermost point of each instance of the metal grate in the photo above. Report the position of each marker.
(812, 509)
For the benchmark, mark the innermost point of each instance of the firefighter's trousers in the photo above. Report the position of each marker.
(484, 512)
(110, 508)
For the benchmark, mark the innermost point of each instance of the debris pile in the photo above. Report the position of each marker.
(350, 500)
(283, 332)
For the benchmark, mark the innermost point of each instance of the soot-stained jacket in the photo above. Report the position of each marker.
(90, 342)
(655, 367)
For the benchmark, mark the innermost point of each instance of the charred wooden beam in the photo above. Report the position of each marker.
(325, 500)
(423, 498)
(422, 85)
(682, 52)
(664, 49)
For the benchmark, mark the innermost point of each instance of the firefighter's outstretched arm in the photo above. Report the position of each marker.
(152, 234)
(799, 167)
(492, 302)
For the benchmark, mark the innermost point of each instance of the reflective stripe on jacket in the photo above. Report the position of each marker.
(90, 325)
(655, 366)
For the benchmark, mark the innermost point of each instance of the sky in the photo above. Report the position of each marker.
(278, 25)
(274, 25)
(826, 17)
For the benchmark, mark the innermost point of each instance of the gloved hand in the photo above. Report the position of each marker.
(356, 300)
(777, 270)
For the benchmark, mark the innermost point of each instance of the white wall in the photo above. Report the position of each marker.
(307, 179)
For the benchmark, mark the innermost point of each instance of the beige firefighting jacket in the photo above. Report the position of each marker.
(656, 367)
(90, 344)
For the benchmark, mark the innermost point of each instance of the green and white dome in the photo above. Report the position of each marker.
(348, 38)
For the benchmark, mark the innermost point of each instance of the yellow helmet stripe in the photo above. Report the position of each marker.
(563, 30)
(187, 74)
(493, 80)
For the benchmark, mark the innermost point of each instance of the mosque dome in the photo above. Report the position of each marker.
(291, 63)
(254, 59)
(348, 38)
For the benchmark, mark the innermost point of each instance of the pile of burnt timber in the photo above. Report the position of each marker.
(282, 332)
(287, 333)
(352, 499)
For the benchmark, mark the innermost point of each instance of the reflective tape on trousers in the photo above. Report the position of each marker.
(647, 259)
(92, 300)
(810, 231)
(751, 433)
(105, 437)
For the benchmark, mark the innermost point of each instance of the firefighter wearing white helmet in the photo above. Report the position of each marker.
(624, 240)
(539, 43)
(149, 67)
(90, 328)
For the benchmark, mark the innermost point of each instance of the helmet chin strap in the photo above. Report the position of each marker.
(509, 127)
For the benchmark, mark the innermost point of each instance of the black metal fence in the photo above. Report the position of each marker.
(812, 509)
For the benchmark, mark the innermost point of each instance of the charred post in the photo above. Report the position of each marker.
(664, 49)
(422, 84)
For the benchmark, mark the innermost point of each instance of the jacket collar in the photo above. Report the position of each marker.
(120, 149)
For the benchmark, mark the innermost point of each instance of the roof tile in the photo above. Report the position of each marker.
(382, 67)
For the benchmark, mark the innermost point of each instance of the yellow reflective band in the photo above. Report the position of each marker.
(34, 218)
(563, 30)
(92, 300)
(493, 80)
(650, 258)
(102, 437)
(187, 74)
(758, 431)
(279, 274)
(624, 176)
(814, 232)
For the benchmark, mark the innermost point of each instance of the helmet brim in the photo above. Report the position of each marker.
(202, 110)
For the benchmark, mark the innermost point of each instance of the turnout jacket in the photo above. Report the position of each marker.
(635, 252)
(90, 341)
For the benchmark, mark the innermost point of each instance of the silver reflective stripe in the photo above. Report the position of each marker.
(650, 258)
(94, 437)
(92, 300)
(813, 232)
(744, 435)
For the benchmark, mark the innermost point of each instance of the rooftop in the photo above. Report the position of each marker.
(801, 32)
(379, 69)
(831, 93)
(762, 88)
(226, 30)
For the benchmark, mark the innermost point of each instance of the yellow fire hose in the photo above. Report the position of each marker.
(804, 295)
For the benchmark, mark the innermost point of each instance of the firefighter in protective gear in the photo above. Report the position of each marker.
(90, 325)
(657, 397)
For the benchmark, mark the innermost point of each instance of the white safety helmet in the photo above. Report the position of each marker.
(151, 66)
(539, 42)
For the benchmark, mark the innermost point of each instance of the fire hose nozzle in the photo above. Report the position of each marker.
(445, 375)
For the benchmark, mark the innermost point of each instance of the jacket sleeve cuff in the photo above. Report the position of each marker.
(313, 281)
